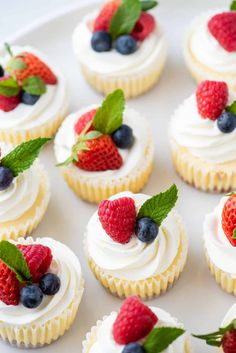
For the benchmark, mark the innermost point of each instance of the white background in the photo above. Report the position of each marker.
(195, 299)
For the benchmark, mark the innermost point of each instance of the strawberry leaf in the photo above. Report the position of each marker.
(160, 338)
(234, 234)
(231, 108)
(147, 5)
(34, 85)
(9, 87)
(233, 6)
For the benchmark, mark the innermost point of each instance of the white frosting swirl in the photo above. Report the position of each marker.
(105, 342)
(207, 49)
(21, 194)
(66, 265)
(202, 136)
(135, 260)
(46, 109)
(152, 50)
(218, 247)
(132, 157)
(230, 316)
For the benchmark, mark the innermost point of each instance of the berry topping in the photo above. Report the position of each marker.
(146, 230)
(123, 137)
(101, 41)
(6, 178)
(29, 99)
(212, 97)
(38, 258)
(50, 284)
(126, 44)
(229, 342)
(134, 321)
(133, 348)
(118, 218)
(223, 29)
(144, 26)
(31, 296)
(103, 20)
(226, 122)
(229, 219)
(9, 286)
(1, 71)
(83, 121)
(9, 103)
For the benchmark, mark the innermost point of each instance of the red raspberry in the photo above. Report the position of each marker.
(229, 218)
(118, 218)
(9, 103)
(38, 258)
(223, 29)
(144, 26)
(9, 286)
(134, 321)
(229, 342)
(103, 20)
(212, 97)
(83, 120)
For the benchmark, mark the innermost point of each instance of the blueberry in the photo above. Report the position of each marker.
(29, 99)
(133, 348)
(226, 122)
(146, 230)
(123, 137)
(6, 177)
(50, 284)
(126, 44)
(31, 296)
(1, 71)
(101, 41)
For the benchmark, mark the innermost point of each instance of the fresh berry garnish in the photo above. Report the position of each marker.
(118, 218)
(9, 286)
(123, 137)
(146, 230)
(229, 219)
(226, 122)
(126, 44)
(133, 348)
(31, 296)
(1, 71)
(212, 97)
(229, 342)
(50, 284)
(38, 258)
(103, 20)
(83, 121)
(6, 177)
(144, 26)
(134, 321)
(101, 41)
(29, 99)
(223, 29)
(9, 103)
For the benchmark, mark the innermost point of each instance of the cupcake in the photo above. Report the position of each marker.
(41, 286)
(137, 328)
(24, 189)
(121, 46)
(220, 243)
(203, 138)
(135, 244)
(105, 150)
(210, 47)
(33, 96)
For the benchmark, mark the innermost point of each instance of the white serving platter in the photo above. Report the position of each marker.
(195, 299)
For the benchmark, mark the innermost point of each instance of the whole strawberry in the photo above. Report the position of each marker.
(9, 286)
(103, 20)
(83, 121)
(223, 29)
(229, 219)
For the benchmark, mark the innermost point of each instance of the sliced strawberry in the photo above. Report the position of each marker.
(83, 121)
(9, 286)
(103, 20)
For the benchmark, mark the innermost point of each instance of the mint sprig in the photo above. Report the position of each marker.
(125, 18)
(158, 206)
(234, 234)
(231, 108)
(147, 5)
(160, 338)
(9, 87)
(233, 6)
(34, 85)
(23, 156)
(15, 260)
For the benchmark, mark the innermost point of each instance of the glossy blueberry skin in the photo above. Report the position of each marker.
(31, 296)
(146, 230)
(226, 122)
(1, 71)
(29, 99)
(126, 44)
(123, 137)
(6, 177)
(101, 41)
(50, 284)
(133, 348)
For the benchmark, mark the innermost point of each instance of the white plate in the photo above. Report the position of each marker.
(195, 299)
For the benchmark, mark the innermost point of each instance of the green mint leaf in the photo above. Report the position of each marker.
(158, 206)
(234, 234)
(125, 18)
(160, 338)
(231, 108)
(16, 64)
(148, 5)
(233, 6)
(9, 87)
(23, 156)
(34, 85)
(8, 49)
(109, 116)
(15, 260)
